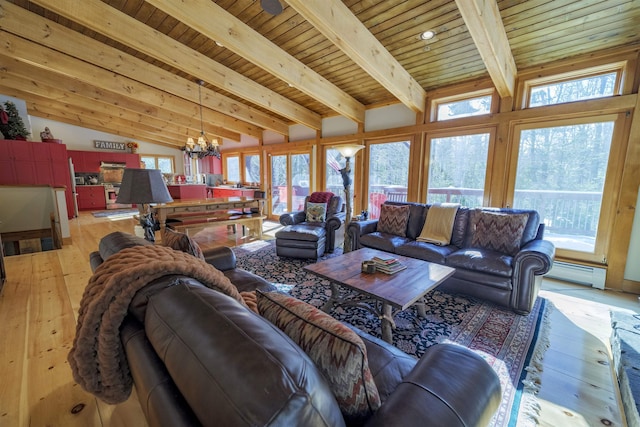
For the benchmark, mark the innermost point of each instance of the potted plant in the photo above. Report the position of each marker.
(133, 146)
(14, 128)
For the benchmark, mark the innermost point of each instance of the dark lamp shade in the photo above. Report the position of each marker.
(143, 186)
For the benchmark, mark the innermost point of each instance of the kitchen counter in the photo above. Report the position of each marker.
(231, 191)
(188, 191)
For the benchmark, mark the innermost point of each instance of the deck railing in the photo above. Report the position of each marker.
(563, 212)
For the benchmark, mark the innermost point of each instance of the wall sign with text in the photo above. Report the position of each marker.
(110, 145)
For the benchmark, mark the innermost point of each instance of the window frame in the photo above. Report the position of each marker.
(241, 160)
(155, 157)
(436, 102)
(429, 136)
(584, 73)
(613, 176)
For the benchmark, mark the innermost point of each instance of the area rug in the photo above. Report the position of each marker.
(115, 213)
(513, 345)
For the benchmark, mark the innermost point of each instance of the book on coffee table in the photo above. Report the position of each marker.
(384, 260)
(389, 267)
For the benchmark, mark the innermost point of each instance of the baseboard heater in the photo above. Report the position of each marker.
(582, 274)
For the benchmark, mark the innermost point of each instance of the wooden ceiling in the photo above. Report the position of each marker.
(131, 67)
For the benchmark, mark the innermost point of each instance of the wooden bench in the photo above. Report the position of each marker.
(192, 222)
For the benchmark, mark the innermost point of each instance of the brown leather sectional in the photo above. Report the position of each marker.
(199, 357)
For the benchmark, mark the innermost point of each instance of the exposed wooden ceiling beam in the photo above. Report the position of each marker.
(333, 19)
(80, 109)
(48, 59)
(216, 23)
(111, 23)
(38, 106)
(21, 22)
(484, 23)
(31, 79)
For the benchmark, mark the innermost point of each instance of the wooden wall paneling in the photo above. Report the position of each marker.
(627, 204)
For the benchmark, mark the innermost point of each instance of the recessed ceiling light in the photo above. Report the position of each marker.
(427, 35)
(219, 44)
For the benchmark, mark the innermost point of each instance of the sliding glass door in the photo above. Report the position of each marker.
(290, 177)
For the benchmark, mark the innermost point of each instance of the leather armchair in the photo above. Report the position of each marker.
(334, 223)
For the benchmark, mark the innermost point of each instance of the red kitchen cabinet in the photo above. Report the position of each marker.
(133, 161)
(211, 165)
(91, 197)
(24, 162)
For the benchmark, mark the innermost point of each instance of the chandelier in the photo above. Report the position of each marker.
(203, 147)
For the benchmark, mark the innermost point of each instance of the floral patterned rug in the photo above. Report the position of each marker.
(513, 345)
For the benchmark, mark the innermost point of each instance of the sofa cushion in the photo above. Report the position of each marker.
(338, 352)
(320, 197)
(482, 260)
(388, 364)
(211, 345)
(393, 219)
(459, 233)
(426, 251)
(316, 212)
(501, 232)
(383, 241)
(181, 242)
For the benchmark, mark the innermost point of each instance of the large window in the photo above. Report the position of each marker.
(388, 174)
(561, 173)
(458, 169)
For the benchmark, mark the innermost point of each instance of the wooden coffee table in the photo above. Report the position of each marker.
(380, 293)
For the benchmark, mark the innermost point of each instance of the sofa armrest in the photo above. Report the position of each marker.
(539, 252)
(222, 258)
(532, 261)
(292, 218)
(450, 385)
(360, 228)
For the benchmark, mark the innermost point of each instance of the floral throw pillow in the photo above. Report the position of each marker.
(497, 231)
(337, 351)
(316, 212)
(393, 220)
(181, 242)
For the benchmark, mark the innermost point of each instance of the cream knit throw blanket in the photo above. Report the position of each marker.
(97, 358)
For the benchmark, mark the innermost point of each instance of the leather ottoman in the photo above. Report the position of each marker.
(301, 241)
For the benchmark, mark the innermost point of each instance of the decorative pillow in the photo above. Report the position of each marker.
(321, 196)
(181, 242)
(316, 212)
(498, 231)
(338, 352)
(393, 220)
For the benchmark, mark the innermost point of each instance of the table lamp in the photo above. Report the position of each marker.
(142, 187)
(347, 152)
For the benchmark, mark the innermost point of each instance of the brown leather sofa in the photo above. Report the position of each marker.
(512, 281)
(199, 357)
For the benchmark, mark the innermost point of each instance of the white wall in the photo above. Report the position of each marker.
(77, 138)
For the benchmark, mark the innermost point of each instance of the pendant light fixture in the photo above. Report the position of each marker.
(203, 147)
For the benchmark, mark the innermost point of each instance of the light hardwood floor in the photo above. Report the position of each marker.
(40, 299)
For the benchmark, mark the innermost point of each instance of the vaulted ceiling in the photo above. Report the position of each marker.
(131, 67)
